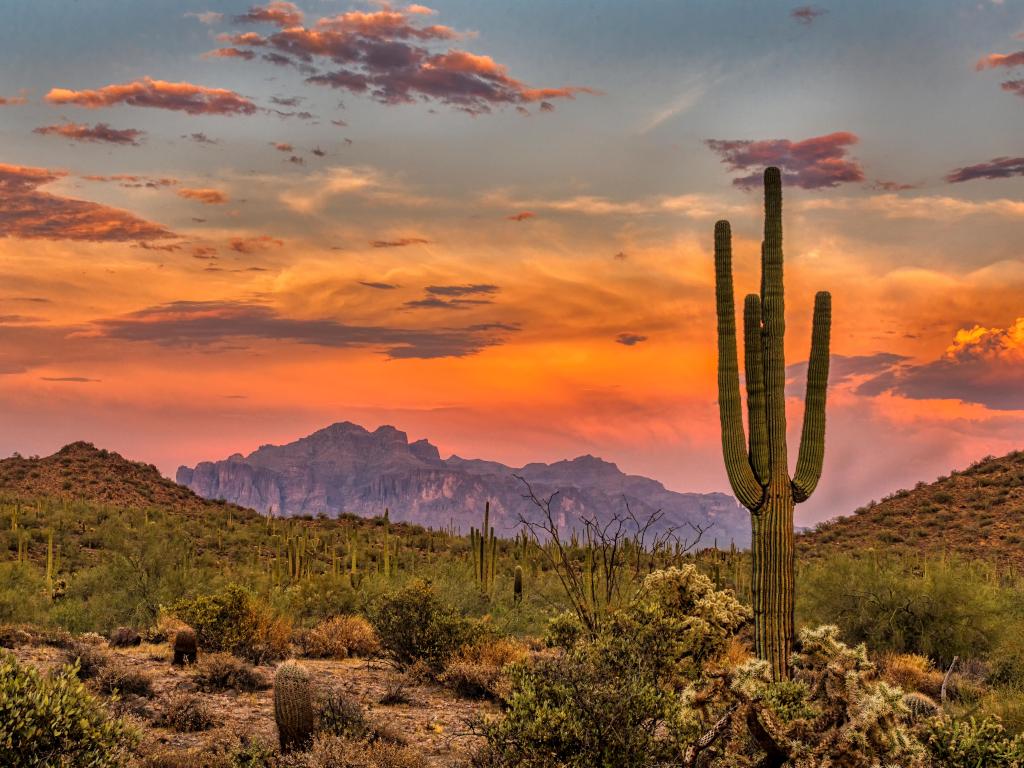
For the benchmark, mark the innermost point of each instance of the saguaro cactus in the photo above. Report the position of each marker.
(759, 473)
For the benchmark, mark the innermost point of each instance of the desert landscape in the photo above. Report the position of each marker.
(531, 385)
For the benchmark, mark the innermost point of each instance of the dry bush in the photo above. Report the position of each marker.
(185, 713)
(15, 636)
(397, 683)
(224, 672)
(91, 659)
(339, 637)
(476, 670)
(218, 748)
(165, 629)
(330, 751)
(912, 672)
(118, 677)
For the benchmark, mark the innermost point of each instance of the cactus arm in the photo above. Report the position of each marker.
(773, 309)
(755, 387)
(812, 438)
(734, 444)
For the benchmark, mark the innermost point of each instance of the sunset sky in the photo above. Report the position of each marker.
(490, 223)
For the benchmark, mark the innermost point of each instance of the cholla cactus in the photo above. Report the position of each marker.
(293, 706)
(759, 472)
(832, 711)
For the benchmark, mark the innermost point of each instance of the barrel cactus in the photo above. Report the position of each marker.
(293, 706)
(186, 650)
(759, 471)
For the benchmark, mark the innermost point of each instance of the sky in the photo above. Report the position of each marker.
(489, 224)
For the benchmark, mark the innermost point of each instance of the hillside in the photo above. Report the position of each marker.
(346, 468)
(975, 513)
(81, 471)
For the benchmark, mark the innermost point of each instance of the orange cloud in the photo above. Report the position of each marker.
(521, 216)
(159, 94)
(204, 195)
(27, 212)
(99, 133)
(12, 101)
(994, 60)
(230, 53)
(278, 12)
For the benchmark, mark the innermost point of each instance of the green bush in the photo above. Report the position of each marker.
(413, 624)
(619, 700)
(936, 608)
(236, 622)
(973, 743)
(54, 721)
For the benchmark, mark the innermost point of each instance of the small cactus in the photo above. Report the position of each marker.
(517, 586)
(186, 650)
(293, 706)
(921, 706)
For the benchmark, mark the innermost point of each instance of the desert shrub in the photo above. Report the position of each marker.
(224, 672)
(330, 751)
(339, 714)
(237, 622)
(563, 630)
(185, 713)
(912, 672)
(413, 624)
(618, 699)
(89, 659)
(119, 677)
(41, 717)
(22, 594)
(973, 743)
(939, 609)
(339, 637)
(476, 670)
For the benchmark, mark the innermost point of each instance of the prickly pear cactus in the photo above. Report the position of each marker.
(293, 706)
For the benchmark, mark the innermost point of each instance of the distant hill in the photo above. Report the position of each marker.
(976, 513)
(83, 471)
(346, 468)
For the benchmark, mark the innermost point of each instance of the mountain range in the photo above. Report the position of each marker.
(345, 468)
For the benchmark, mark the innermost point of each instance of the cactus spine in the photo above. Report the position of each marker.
(759, 472)
(293, 706)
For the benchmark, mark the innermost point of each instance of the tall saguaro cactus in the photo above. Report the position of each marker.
(759, 472)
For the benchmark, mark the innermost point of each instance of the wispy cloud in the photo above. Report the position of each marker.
(99, 133)
(159, 94)
(28, 212)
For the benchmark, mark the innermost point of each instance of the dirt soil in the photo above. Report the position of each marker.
(435, 722)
